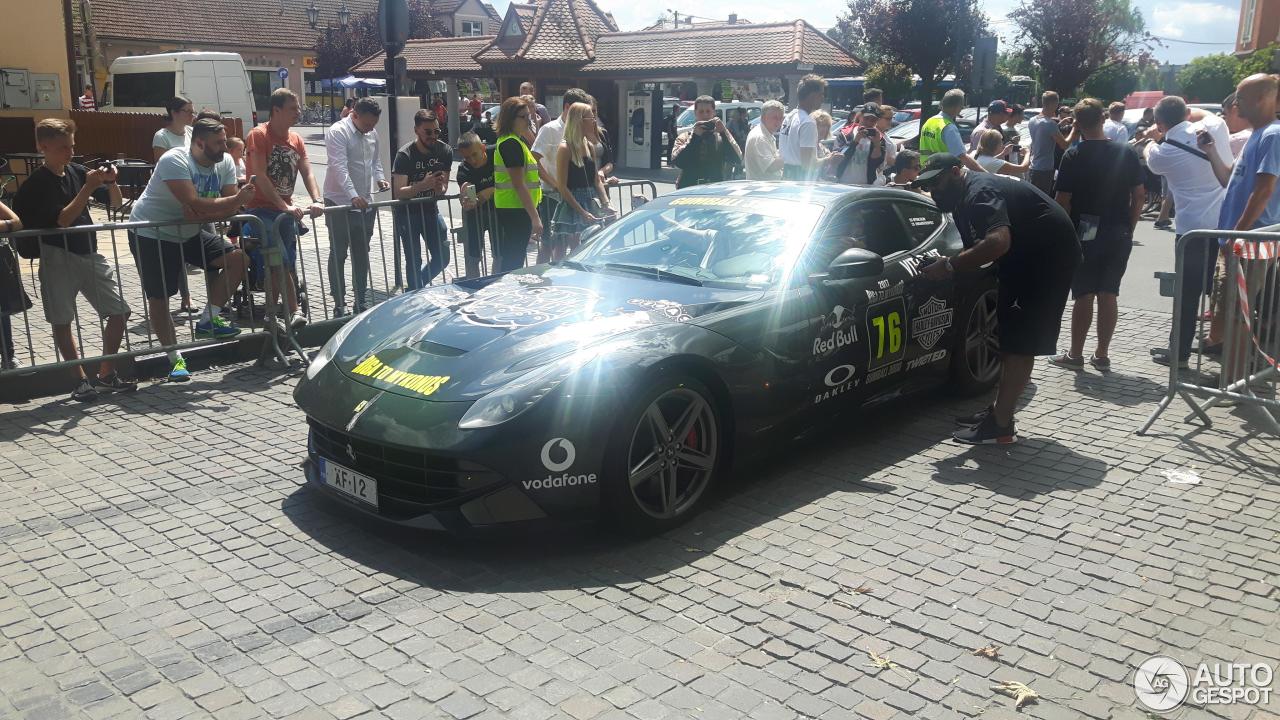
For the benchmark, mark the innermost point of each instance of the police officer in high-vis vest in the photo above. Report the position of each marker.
(517, 191)
(939, 133)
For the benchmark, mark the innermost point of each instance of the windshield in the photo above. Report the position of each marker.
(906, 130)
(718, 241)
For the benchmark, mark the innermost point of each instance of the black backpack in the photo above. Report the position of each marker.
(28, 247)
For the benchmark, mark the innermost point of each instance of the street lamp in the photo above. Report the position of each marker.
(313, 15)
(344, 15)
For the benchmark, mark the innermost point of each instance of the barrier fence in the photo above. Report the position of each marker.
(1243, 316)
(349, 259)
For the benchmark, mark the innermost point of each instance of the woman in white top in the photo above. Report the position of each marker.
(823, 120)
(178, 132)
(992, 153)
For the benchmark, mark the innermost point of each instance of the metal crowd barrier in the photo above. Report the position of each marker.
(1247, 319)
(402, 235)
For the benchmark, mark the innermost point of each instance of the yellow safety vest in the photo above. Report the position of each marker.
(505, 195)
(931, 136)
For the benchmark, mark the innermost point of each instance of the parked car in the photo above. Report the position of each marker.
(621, 384)
(684, 123)
(217, 80)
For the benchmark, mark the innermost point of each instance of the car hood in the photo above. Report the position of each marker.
(458, 342)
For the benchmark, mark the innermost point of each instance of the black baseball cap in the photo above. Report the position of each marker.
(937, 164)
(997, 106)
(870, 109)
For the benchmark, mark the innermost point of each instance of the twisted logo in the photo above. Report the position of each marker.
(566, 447)
(1161, 683)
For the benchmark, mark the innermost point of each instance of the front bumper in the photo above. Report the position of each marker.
(432, 475)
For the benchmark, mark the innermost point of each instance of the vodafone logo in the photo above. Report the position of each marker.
(562, 448)
(838, 375)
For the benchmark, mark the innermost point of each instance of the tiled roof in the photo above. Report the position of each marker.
(236, 23)
(443, 55)
(267, 23)
(562, 31)
(725, 46)
(492, 12)
(524, 14)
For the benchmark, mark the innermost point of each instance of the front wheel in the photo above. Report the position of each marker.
(975, 362)
(664, 455)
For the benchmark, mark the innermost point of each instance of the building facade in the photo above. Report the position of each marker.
(1259, 25)
(37, 78)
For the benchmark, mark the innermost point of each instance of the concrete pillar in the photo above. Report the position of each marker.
(620, 151)
(451, 102)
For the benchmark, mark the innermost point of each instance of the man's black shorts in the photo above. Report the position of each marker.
(161, 262)
(1105, 259)
(1032, 296)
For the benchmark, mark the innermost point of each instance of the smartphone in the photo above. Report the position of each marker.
(253, 179)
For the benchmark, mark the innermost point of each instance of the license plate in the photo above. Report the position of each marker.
(350, 482)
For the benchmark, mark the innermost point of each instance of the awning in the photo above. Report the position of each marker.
(351, 81)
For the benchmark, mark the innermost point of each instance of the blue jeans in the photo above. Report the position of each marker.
(288, 235)
(412, 227)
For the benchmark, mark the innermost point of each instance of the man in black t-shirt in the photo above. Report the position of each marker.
(1100, 185)
(475, 175)
(54, 197)
(421, 170)
(1034, 245)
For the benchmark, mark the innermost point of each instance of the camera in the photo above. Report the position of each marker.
(707, 124)
(872, 133)
(101, 164)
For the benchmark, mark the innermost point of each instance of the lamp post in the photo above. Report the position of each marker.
(313, 19)
(393, 25)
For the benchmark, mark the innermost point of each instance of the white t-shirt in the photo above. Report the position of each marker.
(167, 140)
(546, 143)
(856, 172)
(1238, 141)
(990, 163)
(1115, 131)
(761, 151)
(158, 203)
(1196, 191)
(798, 131)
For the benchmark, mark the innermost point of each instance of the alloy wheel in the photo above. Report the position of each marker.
(982, 339)
(673, 453)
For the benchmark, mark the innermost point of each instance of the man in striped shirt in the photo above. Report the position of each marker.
(86, 100)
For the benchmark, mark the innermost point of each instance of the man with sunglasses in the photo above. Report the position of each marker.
(421, 170)
(1033, 243)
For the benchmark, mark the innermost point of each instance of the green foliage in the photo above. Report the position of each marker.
(1112, 82)
(893, 78)
(929, 37)
(1069, 40)
(337, 51)
(1209, 78)
(1259, 62)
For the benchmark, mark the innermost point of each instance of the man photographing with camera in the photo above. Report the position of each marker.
(702, 153)
(867, 151)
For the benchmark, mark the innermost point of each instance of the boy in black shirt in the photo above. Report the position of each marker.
(475, 175)
(57, 196)
(1100, 184)
(421, 169)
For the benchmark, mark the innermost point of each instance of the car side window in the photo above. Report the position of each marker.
(883, 229)
(847, 229)
(921, 220)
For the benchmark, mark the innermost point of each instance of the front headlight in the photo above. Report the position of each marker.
(330, 348)
(512, 399)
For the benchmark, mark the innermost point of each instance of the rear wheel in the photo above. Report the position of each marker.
(975, 363)
(664, 455)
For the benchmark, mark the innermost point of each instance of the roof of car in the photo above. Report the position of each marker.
(825, 194)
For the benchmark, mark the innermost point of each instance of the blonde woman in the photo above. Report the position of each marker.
(581, 190)
(823, 120)
(992, 153)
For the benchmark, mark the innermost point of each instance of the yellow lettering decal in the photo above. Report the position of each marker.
(413, 382)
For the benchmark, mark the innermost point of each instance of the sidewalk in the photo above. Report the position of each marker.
(160, 557)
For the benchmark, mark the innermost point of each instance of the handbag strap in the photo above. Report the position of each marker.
(1188, 148)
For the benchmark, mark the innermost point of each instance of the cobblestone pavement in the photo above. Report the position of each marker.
(160, 558)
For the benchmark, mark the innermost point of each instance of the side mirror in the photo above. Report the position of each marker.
(855, 263)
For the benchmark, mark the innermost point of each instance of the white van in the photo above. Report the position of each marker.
(215, 80)
(684, 123)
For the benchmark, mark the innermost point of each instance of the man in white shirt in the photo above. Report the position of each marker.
(354, 169)
(997, 116)
(1239, 128)
(1114, 129)
(761, 157)
(867, 152)
(798, 139)
(1196, 193)
(544, 148)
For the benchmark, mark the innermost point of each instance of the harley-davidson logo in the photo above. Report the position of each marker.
(931, 322)
(518, 306)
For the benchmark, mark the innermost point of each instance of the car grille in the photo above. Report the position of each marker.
(410, 482)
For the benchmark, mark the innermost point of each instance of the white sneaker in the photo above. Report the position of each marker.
(298, 320)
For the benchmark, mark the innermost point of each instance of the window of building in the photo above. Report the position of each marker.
(472, 28)
(1246, 30)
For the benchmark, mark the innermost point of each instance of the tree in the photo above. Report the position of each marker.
(1072, 39)
(893, 78)
(1259, 62)
(929, 37)
(1209, 78)
(1112, 82)
(339, 50)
